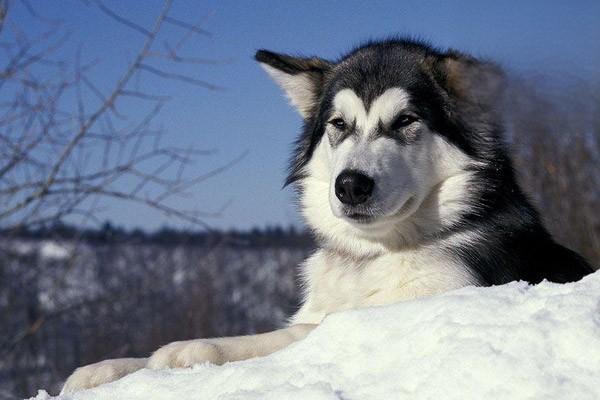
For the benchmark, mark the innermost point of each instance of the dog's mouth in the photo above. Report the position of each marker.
(361, 218)
(366, 217)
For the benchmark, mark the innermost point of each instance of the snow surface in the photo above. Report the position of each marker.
(506, 342)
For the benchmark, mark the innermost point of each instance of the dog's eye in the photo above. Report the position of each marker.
(338, 123)
(402, 121)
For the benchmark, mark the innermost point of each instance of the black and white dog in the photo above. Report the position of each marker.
(404, 178)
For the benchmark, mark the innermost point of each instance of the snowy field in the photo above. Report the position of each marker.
(506, 342)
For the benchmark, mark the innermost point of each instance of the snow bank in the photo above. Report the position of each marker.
(506, 342)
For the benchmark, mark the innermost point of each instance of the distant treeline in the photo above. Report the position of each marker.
(108, 233)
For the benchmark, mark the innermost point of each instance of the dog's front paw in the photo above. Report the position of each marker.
(102, 372)
(186, 354)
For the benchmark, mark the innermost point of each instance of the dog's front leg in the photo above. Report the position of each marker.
(226, 349)
(102, 372)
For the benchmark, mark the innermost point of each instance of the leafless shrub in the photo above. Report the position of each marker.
(65, 142)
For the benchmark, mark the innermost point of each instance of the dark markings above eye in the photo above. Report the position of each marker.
(338, 123)
(402, 121)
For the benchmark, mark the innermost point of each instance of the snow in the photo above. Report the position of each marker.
(54, 251)
(506, 342)
(48, 249)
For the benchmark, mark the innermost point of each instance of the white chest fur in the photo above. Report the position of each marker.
(334, 282)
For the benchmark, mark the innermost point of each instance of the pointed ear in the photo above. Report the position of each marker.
(301, 78)
(470, 80)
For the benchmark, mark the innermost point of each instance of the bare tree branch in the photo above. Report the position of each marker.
(124, 21)
(178, 77)
(57, 156)
(189, 27)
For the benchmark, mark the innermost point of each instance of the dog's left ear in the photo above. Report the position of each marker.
(301, 78)
(470, 80)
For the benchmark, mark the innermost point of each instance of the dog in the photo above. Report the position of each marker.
(405, 180)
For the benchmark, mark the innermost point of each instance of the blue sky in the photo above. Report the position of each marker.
(549, 38)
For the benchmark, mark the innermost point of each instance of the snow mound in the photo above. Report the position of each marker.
(506, 342)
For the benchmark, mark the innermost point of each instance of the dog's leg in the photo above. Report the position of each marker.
(102, 372)
(186, 354)
(226, 349)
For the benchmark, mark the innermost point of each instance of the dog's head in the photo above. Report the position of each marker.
(393, 132)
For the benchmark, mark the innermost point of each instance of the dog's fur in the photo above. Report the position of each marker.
(445, 210)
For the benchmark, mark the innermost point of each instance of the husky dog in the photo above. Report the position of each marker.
(404, 178)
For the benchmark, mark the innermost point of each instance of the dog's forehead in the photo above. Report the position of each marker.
(370, 74)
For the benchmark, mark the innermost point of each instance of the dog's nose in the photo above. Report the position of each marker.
(353, 187)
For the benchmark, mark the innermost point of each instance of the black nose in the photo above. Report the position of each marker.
(353, 187)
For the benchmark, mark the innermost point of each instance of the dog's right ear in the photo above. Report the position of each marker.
(301, 78)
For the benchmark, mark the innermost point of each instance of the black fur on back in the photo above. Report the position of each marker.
(457, 96)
